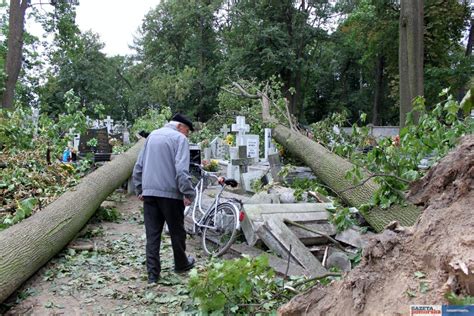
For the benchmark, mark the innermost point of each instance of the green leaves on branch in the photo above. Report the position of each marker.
(394, 162)
(236, 286)
(153, 119)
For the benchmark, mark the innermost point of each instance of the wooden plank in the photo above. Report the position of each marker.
(278, 237)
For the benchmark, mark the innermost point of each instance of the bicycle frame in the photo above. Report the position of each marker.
(199, 189)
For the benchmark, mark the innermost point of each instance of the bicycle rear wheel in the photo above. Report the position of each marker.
(218, 239)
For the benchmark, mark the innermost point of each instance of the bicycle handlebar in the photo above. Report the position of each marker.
(233, 183)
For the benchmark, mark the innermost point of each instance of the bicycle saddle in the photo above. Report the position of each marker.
(231, 182)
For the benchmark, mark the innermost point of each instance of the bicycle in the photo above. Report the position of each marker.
(220, 222)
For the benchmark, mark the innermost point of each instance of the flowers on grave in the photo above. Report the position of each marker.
(92, 142)
(210, 165)
(396, 141)
(115, 142)
(229, 139)
(204, 143)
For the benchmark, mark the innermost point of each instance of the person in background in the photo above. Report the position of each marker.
(162, 181)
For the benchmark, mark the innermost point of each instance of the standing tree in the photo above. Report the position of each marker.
(15, 45)
(410, 55)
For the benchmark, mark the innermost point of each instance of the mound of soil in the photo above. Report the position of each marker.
(416, 265)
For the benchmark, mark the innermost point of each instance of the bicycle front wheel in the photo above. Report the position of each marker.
(218, 239)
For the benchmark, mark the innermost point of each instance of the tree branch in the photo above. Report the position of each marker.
(370, 177)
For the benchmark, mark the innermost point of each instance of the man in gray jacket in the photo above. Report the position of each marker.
(162, 181)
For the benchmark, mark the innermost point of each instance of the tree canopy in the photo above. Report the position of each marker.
(329, 56)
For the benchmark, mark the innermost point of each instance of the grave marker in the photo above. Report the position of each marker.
(253, 146)
(224, 130)
(269, 147)
(241, 128)
(243, 162)
(108, 123)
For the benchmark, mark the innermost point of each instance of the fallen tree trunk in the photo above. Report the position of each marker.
(331, 170)
(27, 246)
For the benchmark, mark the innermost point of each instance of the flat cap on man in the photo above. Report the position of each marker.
(183, 119)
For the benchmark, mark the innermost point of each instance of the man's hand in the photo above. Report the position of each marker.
(140, 197)
(187, 201)
(221, 180)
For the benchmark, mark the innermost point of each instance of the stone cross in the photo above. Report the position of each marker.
(125, 124)
(108, 123)
(241, 128)
(243, 162)
(224, 130)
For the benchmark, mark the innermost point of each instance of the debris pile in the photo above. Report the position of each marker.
(423, 264)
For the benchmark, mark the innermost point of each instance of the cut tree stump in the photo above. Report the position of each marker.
(28, 245)
(331, 170)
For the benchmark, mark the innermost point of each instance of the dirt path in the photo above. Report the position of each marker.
(109, 277)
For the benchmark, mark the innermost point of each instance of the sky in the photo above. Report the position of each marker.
(116, 21)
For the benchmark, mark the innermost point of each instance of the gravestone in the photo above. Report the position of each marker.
(76, 142)
(213, 147)
(126, 137)
(241, 128)
(269, 146)
(224, 130)
(233, 170)
(219, 149)
(253, 146)
(242, 162)
(109, 123)
(275, 166)
(103, 149)
(207, 153)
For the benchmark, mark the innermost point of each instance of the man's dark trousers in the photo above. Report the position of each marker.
(157, 210)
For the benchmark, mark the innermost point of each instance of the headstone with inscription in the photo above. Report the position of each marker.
(253, 146)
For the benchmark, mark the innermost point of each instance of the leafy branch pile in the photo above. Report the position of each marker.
(28, 183)
(394, 163)
(243, 286)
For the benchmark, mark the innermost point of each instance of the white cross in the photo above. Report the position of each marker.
(125, 124)
(224, 130)
(108, 123)
(241, 128)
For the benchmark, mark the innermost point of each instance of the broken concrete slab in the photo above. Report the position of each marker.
(279, 238)
(339, 260)
(351, 237)
(278, 264)
(309, 238)
(255, 215)
(264, 198)
(287, 195)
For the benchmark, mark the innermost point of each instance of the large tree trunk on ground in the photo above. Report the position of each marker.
(331, 170)
(410, 55)
(27, 246)
(14, 54)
